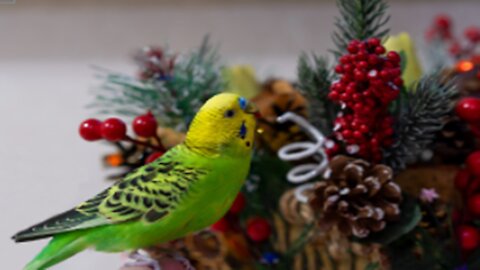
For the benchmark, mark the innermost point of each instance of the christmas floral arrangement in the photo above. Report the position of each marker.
(362, 163)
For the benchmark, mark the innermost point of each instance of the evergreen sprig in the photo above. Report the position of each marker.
(419, 116)
(314, 79)
(196, 77)
(359, 19)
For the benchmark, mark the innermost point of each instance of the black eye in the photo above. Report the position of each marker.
(229, 113)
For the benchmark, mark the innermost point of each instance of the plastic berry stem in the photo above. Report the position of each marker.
(146, 144)
(159, 142)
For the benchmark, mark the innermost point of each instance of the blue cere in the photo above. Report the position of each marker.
(243, 130)
(243, 103)
(270, 258)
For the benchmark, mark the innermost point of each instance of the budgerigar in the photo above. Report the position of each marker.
(190, 187)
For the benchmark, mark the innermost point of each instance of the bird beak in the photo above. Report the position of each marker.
(251, 108)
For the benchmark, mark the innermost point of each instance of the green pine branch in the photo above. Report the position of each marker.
(314, 79)
(196, 77)
(359, 19)
(419, 116)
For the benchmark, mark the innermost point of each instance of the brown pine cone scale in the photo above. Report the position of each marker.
(356, 197)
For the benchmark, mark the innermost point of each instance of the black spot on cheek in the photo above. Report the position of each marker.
(247, 144)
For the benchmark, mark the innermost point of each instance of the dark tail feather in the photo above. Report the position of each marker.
(64, 222)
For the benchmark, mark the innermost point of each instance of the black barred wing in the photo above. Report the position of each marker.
(150, 192)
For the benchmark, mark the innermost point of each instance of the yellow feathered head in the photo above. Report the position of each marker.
(225, 123)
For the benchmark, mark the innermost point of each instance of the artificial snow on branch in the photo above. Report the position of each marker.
(172, 88)
(314, 79)
(359, 20)
(420, 115)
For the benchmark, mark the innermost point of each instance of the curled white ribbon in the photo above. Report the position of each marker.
(301, 150)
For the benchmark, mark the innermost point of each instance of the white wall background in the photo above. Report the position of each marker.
(47, 47)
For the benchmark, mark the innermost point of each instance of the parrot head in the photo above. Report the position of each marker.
(225, 123)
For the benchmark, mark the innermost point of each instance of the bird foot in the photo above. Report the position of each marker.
(142, 259)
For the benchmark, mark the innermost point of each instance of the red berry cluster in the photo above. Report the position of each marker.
(155, 64)
(468, 109)
(467, 181)
(112, 129)
(257, 228)
(369, 81)
(441, 29)
(115, 130)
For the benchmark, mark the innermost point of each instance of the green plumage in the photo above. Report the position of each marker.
(187, 189)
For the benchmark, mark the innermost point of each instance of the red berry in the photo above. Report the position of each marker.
(345, 59)
(393, 56)
(474, 204)
(462, 179)
(339, 69)
(443, 22)
(357, 134)
(362, 55)
(347, 133)
(398, 81)
(258, 229)
(374, 42)
(348, 68)
(238, 204)
(352, 48)
(145, 125)
(362, 46)
(222, 225)
(363, 65)
(380, 50)
(359, 75)
(385, 74)
(455, 49)
(473, 163)
(468, 237)
(373, 59)
(90, 129)
(333, 95)
(113, 129)
(153, 156)
(472, 33)
(468, 109)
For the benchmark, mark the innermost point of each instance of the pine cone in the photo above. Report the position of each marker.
(357, 197)
(276, 98)
(208, 250)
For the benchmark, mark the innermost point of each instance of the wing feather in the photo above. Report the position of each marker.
(150, 192)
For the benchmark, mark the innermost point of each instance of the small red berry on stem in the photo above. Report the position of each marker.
(455, 49)
(90, 129)
(473, 163)
(443, 22)
(474, 204)
(238, 204)
(468, 237)
(153, 156)
(472, 33)
(145, 125)
(222, 225)
(468, 109)
(113, 129)
(462, 179)
(258, 229)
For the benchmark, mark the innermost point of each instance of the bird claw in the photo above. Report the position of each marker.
(142, 259)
